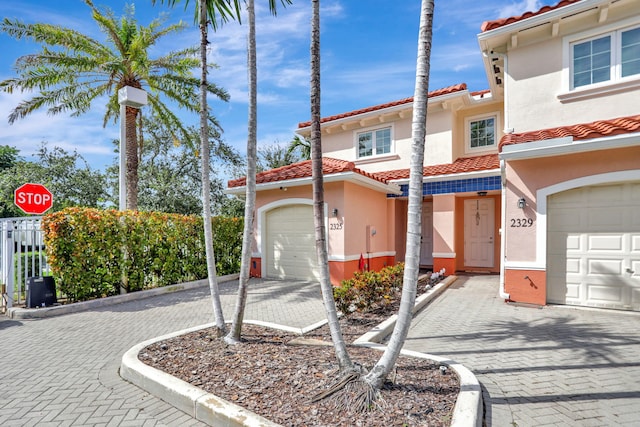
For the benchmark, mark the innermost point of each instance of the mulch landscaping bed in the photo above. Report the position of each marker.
(269, 375)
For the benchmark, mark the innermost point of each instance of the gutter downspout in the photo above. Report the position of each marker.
(503, 194)
(503, 229)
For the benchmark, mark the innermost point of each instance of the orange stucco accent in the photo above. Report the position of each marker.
(342, 270)
(529, 286)
(255, 269)
(449, 264)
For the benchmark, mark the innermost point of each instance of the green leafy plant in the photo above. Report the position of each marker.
(369, 289)
(94, 253)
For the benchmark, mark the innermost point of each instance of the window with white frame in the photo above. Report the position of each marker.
(607, 57)
(482, 133)
(374, 142)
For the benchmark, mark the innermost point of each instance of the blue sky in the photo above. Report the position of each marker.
(368, 50)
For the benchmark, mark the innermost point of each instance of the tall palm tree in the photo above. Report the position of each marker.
(383, 367)
(344, 361)
(72, 70)
(250, 199)
(208, 12)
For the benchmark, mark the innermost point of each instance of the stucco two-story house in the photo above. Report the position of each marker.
(536, 178)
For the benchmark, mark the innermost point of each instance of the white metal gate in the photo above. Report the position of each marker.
(22, 254)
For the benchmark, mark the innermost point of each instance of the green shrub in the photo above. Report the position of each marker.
(93, 253)
(369, 289)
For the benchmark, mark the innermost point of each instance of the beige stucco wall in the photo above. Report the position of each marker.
(342, 145)
(535, 79)
(460, 132)
(526, 177)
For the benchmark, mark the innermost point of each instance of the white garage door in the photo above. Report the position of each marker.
(290, 246)
(593, 247)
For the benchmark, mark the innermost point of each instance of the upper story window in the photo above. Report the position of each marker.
(482, 133)
(374, 142)
(606, 57)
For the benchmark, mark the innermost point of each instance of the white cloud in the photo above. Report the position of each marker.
(83, 134)
(518, 8)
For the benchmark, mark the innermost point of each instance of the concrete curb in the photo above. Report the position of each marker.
(57, 310)
(216, 411)
(468, 409)
(194, 401)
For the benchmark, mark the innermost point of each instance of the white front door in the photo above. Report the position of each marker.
(426, 247)
(478, 232)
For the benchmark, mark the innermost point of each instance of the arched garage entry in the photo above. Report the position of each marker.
(593, 246)
(288, 239)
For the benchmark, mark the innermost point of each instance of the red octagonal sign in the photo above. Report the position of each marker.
(33, 198)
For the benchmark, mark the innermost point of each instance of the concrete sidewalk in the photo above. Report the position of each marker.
(63, 371)
(552, 366)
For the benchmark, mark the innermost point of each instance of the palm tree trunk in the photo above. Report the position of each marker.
(206, 181)
(378, 374)
(250, 202)
(132, 158)
(342, 355)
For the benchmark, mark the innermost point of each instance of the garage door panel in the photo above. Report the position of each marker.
(607, 267)
(604, 242)
(593, 246)
(291, 243)
(604, 294)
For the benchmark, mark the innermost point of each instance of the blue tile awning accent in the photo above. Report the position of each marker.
(455, 186)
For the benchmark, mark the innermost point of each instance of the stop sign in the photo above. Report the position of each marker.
(33, 198)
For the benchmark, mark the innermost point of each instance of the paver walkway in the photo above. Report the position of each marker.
(63, 371)
(555, 366)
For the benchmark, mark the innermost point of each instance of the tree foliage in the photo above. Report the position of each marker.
(67, 175)
(72, 70)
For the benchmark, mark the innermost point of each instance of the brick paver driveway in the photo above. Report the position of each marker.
(63, 370)
(555, 366)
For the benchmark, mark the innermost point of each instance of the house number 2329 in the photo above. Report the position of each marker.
(521, 222)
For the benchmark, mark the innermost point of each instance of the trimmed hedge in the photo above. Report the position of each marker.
(93, 253)
(369, 289)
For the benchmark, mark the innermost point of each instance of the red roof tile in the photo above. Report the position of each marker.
(303, 170)
(439, 92)
(591, 130)
(492, 25)
(462, 165)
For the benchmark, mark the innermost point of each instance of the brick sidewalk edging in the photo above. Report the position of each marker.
(216, 411)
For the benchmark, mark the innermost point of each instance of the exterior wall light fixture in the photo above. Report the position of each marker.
(522, 203)
(335, 212)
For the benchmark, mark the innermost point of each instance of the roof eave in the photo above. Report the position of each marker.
(389, 110)
(543, 18)
(567, 145)
(364, 181)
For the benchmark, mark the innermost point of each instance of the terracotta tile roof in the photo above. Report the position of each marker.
(439, 92)
(467, 164)
(492, 25)
(481, 93)
(591, 130)
(303, 170)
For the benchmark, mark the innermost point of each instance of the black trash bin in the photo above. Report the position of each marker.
(41, 292)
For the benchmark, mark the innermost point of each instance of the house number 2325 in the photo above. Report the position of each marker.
(335, 226)
(521, 222)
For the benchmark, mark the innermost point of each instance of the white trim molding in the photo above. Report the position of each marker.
(444, 254)
(345, 258)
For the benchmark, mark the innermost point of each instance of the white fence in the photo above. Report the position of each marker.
(22, 255)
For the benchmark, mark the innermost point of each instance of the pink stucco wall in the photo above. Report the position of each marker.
(526, 177)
